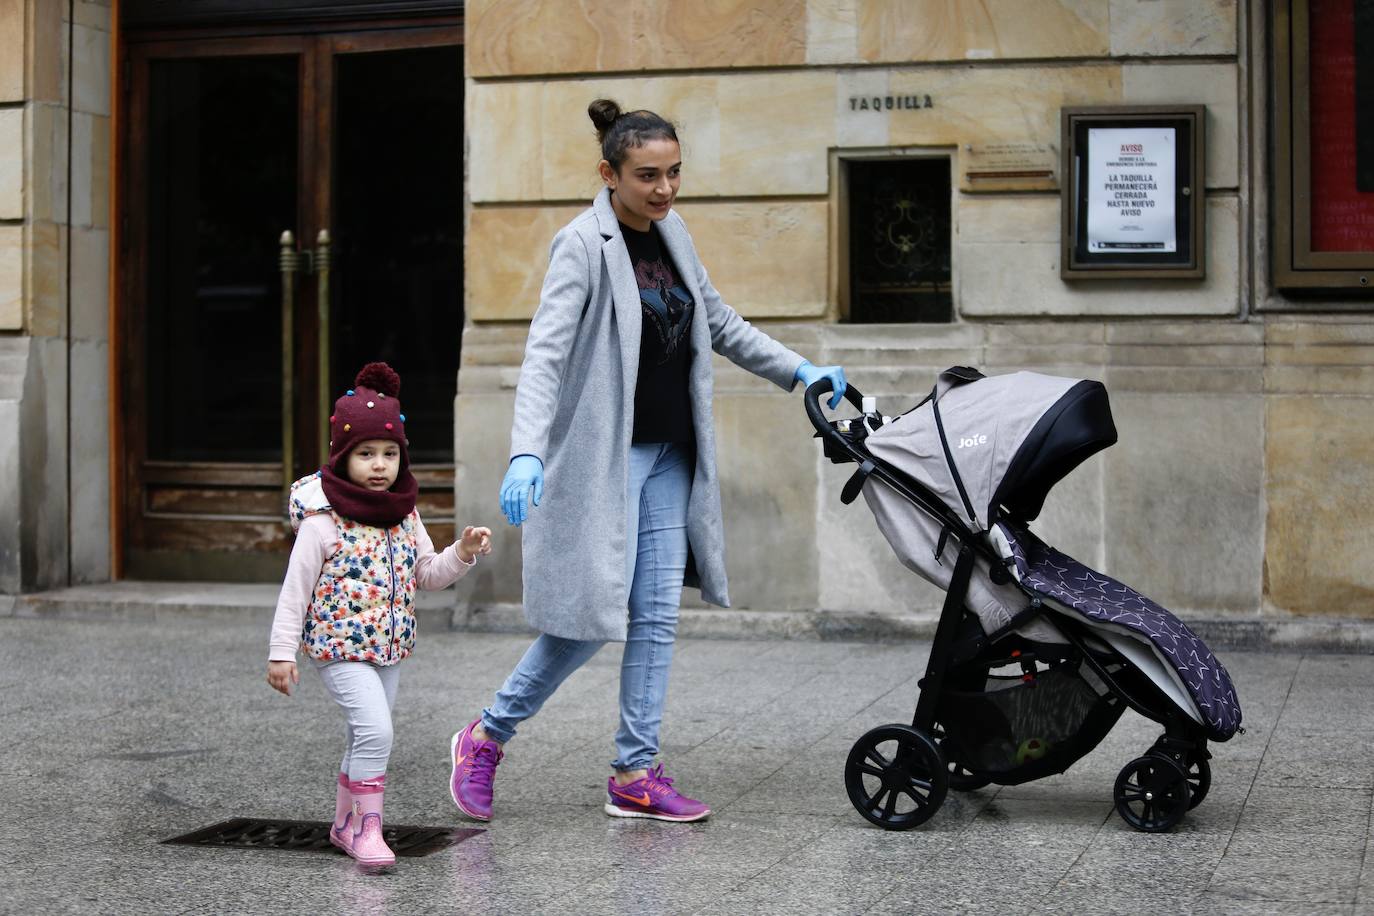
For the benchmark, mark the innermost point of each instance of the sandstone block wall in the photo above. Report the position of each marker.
(1235, 487)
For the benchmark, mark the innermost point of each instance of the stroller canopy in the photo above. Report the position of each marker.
(986, 441)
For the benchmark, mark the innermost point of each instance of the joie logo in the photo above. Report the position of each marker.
(971, 441)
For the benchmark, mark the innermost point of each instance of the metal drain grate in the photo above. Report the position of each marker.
(313, 836)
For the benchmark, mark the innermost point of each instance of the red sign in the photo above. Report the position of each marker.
(1342, 213)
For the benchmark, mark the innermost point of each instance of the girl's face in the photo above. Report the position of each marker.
(646, 185)
(374, 463)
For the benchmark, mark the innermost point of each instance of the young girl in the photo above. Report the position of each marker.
(613, 407)
(348, 598)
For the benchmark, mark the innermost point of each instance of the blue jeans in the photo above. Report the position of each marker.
(656, 560)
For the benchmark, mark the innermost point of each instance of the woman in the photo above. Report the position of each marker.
(614, 408)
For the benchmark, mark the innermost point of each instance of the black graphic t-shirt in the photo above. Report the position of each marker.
(663, 407)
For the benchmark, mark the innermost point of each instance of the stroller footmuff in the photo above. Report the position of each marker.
(1035, 656)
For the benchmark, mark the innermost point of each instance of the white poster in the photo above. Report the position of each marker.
(1131, 190)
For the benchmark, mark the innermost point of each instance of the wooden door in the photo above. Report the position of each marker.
(230, 142)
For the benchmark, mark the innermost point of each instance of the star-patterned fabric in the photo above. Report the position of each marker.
(1101, 598)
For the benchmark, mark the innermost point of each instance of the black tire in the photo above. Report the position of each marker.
(1195, 764)
(896, 777)
(1151, 793)
(961, 778)
(1199, 780)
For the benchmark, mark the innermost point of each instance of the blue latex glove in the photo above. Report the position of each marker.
(808, 374)
(524, 478)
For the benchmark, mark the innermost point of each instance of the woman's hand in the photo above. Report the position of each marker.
(524, 481)
(281, 675)
(474, 542)
(808, 375)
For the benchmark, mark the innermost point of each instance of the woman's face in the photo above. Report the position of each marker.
(644, 189)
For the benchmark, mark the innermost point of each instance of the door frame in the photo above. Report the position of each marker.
(316, 43)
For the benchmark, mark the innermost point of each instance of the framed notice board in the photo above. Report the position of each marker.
(1132, 192)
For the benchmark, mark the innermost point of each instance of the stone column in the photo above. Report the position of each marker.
(89, 350)
(54, 163)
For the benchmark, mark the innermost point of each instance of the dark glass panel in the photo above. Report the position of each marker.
(221, 188)
(899, 240)
(1342, 125)
(397, 278)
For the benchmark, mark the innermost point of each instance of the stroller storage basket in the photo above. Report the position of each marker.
(1024, 727)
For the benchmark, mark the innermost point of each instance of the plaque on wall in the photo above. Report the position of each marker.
(1008, 165)
(1133, 201)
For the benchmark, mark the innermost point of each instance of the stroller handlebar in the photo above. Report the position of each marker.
(812, 397)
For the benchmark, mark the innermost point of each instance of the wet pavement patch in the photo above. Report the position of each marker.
(313, 836)
(153, 755)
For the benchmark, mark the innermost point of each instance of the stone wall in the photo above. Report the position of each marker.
(531, 38)
(1319, 410)
(1235, 490)
(760, 145)
(54, 292)
(1237, 487)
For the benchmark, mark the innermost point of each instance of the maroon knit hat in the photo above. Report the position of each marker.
(368, 410)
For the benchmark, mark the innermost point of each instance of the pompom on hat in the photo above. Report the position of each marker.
(371, 409)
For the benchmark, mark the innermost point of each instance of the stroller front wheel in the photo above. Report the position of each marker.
(1199, 780)
(896, 777)
(1152, 793)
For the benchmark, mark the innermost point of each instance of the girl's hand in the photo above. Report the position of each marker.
(281, 675)
(474, 542)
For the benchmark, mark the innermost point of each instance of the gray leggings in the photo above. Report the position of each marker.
(366, 693)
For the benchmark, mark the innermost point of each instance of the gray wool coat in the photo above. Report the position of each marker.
(574, 410)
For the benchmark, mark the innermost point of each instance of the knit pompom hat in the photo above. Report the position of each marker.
(371, 409)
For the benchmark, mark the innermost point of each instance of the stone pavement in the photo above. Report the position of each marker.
(121, 733)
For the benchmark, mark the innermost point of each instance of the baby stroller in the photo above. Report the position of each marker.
(1035, 656)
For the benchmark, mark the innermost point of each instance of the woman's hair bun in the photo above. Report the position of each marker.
(603, 113)
(381, 378)
(618, 131)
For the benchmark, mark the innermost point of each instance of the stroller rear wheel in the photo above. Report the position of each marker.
(896, 777)
(1152, 793)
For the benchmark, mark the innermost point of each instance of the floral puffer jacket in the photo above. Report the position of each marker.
(363, 606)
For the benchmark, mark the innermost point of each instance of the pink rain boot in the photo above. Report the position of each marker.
(367, 845)
(341, 831)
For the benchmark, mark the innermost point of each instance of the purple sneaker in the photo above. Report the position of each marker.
(474, 768)
(653, 796)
